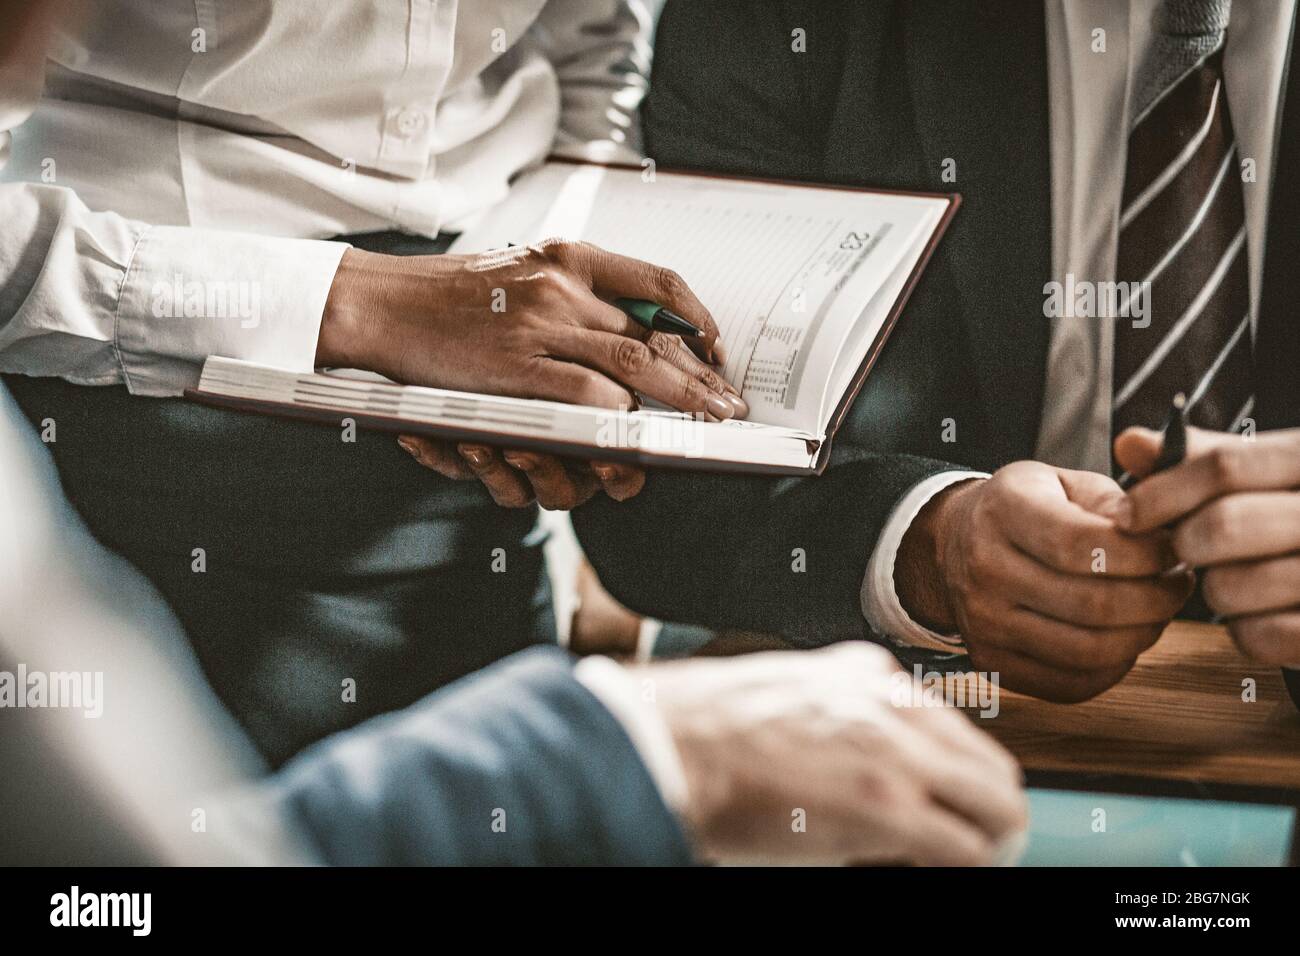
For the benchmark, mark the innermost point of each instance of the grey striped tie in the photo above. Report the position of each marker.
(1183, 230)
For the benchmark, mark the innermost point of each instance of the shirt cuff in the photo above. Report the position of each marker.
(880, 604)
(190, 293)
(647, 636)
(620, 692)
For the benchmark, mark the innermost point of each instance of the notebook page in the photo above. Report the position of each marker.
(868, 325)
(785, 271)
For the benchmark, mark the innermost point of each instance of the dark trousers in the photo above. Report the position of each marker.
(320, 581)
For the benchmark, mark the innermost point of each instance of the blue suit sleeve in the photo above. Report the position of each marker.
(517, 764)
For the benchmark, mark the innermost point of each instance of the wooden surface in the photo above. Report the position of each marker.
(1178, 715)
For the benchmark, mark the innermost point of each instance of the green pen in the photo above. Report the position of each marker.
(656, 318)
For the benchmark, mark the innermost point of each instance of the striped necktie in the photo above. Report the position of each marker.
(1183, 231)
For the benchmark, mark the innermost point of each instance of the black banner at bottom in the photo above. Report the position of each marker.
(338, 906)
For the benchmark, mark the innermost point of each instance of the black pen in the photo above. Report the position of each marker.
(1173, 449)
(1173, 442)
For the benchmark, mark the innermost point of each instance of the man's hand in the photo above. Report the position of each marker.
(529, 322)
(1235, 511)
(826, 732)
(1043, 586)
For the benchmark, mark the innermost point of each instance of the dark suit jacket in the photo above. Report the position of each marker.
(885, 92)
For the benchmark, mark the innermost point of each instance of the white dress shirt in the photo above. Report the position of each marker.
(1089, 97)
(205, 148)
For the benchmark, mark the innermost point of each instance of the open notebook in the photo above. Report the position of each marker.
(805, 283)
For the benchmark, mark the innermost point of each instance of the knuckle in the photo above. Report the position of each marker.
(1062, 550)
(871, 783)
(670, 283)
(987, 513)
(1226, 466)
(661, 344)
(554, 283)
(979, 618)
(689, 395)
(710, 379)
(981, 566)
(518, 340)
(555, 248)
(632, 357)
(1074, 549)
(1219, 519)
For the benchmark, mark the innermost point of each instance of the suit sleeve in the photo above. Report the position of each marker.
(783, 556)
(518, 764)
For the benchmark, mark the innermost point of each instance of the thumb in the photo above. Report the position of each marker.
(1093, 492)
(1136, 450)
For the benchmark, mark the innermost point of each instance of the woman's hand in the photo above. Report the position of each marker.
(529, 322)
(516, 479)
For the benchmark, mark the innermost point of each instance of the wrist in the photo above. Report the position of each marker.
(920, 570)
(350, 320)
(692, 720)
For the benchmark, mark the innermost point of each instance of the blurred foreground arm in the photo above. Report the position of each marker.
(819, 757)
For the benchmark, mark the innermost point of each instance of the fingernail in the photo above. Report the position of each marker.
(604, 472)
(521, 461)
(719, 407)
(409, 448)
(478, 457)
(719, 353)
(738, 403)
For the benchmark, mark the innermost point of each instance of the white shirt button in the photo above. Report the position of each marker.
(410, 122)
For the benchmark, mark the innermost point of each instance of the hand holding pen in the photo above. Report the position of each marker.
(1232, 504)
